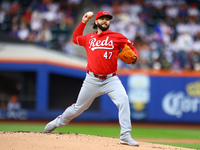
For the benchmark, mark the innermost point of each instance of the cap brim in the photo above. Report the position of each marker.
(106, 15)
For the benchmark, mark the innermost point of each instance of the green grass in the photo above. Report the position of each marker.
(21, 127)
(114, 131)
(170, 133)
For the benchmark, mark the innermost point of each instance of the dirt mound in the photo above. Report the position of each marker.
(61, 141)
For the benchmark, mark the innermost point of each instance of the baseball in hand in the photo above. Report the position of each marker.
(90, 14)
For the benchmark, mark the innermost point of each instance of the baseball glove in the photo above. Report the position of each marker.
(127, 55)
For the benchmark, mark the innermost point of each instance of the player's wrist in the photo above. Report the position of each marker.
(83, 21)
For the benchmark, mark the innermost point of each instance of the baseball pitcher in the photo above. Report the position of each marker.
(103, 48)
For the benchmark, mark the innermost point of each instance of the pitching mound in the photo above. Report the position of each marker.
(65, 141)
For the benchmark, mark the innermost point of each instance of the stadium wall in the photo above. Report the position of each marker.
(165, 96)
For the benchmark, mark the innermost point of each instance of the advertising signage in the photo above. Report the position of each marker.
(170, 99)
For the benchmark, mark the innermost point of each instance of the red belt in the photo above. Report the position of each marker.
(101, 76)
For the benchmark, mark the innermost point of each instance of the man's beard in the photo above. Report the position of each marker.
(102, 28)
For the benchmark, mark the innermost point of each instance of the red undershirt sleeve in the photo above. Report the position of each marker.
(78, 34)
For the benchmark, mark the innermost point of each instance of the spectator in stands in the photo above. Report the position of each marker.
(60, 16)
(172, 11)
(193, 27)
(14, 31)
(63, 26)
(195, 54)
(36, 20)
(135, 7)
(183, 12)
(2, 16)
(142, 30)
(32, 37)
(42, 6)
(184, 44)
(26, 17)
(14, 104)
(51, 13)
(6, 6)
(69, 18)
(181, 27)
(23, 31)
(15, 8)
(144, 53)
(15, 20)
(196, 44)
(193, 12)
(44, 35)
(164, 31)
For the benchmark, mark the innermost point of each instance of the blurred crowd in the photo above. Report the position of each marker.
(47, 23)
(165, 32)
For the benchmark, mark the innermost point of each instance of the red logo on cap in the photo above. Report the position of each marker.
(105, 12)
(102, 13)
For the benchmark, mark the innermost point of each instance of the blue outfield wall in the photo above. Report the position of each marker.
(152, 98)
(175, 99)
(165, 99)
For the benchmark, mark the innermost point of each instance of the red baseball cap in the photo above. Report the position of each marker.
(103, 13)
